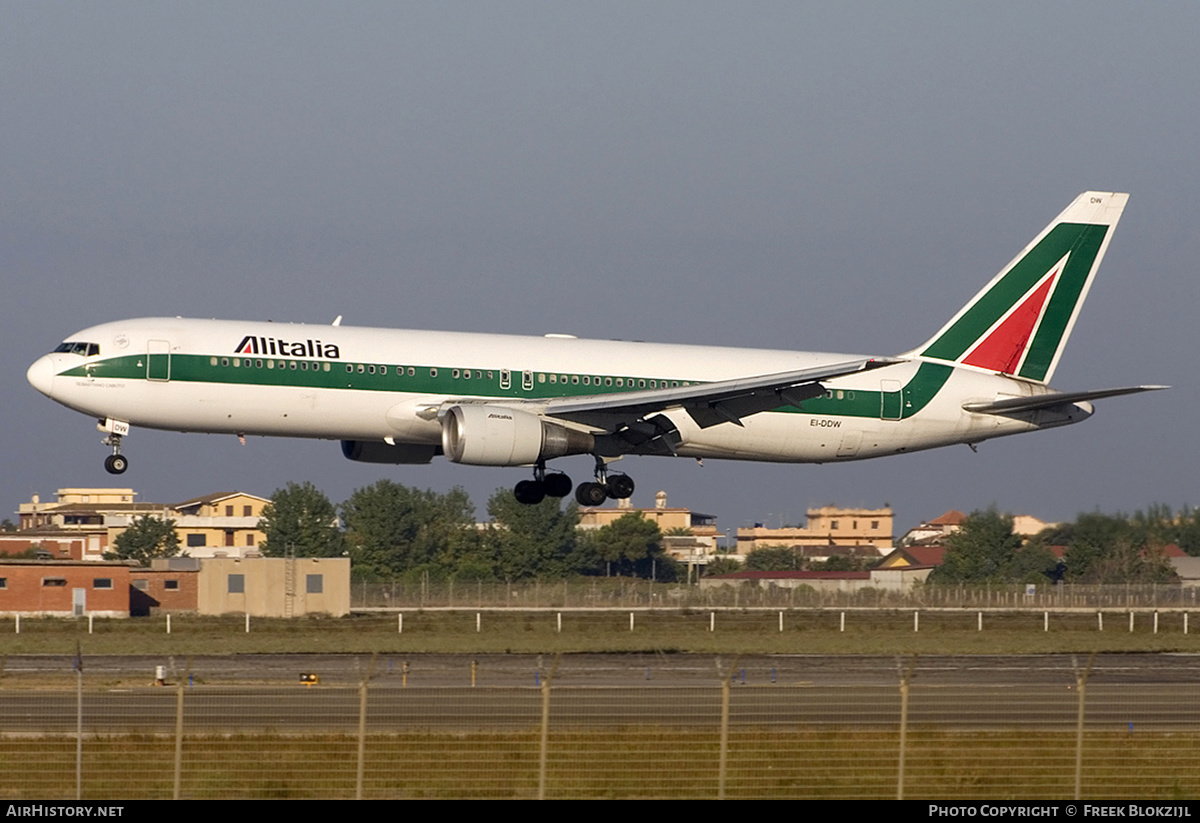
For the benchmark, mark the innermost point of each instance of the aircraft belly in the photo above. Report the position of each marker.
(789, 438)
(256, 410)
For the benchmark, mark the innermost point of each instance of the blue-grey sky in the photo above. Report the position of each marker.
(833, 176)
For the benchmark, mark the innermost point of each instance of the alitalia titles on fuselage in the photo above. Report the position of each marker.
(278, 347)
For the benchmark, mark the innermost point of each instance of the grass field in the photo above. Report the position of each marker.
(613, 763)
(749, 632)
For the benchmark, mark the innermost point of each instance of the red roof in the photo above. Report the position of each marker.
(951, 518)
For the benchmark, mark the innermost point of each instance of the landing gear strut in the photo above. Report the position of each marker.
(532, 492)
(616, 486)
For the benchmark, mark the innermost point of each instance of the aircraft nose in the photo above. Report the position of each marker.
(41, 374)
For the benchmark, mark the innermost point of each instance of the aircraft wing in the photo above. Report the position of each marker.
(725, 401)
(1017, 405)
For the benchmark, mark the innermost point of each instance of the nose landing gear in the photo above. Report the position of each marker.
(115, 463)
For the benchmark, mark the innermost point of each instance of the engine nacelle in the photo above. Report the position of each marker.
(500, 436)
(376, 451)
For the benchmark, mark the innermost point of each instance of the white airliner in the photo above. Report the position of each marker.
(397, 396)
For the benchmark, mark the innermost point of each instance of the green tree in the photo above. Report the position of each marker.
(301, 518)
(631, 546)
(530, 541)
(722, 565)
(776, 559)
(146, 538)
(1188, 535)
(1108, 548)
(985, 550)
(392, 529)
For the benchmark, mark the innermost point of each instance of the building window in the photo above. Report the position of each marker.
(314, 583)
(229, 511)
(102, 583)
(237, 584)
(141, 585)
(247, 511)
(194, 540)
(3, 582)
(249, 538)
(54, 581)
(171, 585)
(833, 524)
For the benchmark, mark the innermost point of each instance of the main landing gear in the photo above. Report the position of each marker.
(532, 492)
(615, 486)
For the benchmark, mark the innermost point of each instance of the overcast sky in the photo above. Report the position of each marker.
(829, 176)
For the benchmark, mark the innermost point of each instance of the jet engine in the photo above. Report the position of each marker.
(376, 451)
(500, 436)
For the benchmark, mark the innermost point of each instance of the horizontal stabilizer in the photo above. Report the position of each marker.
(1016, 405)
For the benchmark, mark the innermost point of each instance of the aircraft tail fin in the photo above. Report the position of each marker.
(1020, 321)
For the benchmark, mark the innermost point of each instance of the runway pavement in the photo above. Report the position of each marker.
(255, 693)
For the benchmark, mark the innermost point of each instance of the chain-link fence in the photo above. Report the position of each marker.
(600, 593)
(971, 729)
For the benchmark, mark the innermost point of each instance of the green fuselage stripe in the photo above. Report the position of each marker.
(440, 380)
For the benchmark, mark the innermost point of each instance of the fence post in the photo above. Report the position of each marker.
(905, 679)
(177, 778)
(723, 758)
(78, 722)
(544, 749)
(362, 731)
(1081, 679)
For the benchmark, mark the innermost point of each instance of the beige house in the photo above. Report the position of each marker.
(828, 527)
(274, 586)
(219, 525)
(83, 523)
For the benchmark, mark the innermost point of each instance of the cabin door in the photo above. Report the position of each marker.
(158, 360)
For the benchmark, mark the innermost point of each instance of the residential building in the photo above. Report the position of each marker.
(829, 531)
(84, 523)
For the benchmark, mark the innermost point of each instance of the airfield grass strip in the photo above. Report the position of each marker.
(628, 762)
(749, 632)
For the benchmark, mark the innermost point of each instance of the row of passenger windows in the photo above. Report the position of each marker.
(248, 363)
(457, 374)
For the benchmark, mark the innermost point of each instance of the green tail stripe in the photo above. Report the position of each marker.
(1083, 242)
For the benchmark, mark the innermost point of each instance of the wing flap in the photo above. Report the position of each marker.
(709, 404)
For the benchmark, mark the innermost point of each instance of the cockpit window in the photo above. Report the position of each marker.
(85, 349)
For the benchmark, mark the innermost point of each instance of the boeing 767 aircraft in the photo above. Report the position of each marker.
(394, 396)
